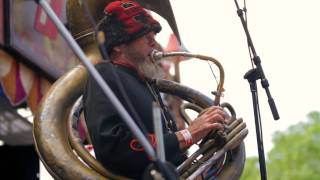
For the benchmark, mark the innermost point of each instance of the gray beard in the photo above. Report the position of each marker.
(150, 70)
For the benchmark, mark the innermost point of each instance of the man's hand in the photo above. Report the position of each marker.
(212, 118)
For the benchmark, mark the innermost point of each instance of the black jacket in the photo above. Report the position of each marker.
(114, 145)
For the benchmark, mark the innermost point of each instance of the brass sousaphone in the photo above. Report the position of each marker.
(58, 147)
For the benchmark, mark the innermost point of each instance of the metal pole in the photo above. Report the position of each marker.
(157, 124)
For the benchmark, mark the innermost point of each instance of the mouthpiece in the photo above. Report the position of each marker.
(156, 55)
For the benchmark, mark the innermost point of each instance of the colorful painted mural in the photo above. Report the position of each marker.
(37, 38)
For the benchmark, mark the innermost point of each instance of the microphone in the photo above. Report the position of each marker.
(156, 55)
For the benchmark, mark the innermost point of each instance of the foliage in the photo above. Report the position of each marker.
(295, 155)
(251, 169)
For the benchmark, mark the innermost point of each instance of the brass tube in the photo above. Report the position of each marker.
(219, 89)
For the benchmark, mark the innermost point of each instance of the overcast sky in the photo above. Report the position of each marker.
(286, 35)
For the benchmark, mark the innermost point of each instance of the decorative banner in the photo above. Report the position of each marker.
(39, 88)
(12, 85)
(174, 46)
(19, 83)
(5, 63)
(43, 23)
(1, 23)
(26, 76)
(35, 94)
(35, 37)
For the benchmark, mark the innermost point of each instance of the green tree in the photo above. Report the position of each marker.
(295, 155)
(251, 169)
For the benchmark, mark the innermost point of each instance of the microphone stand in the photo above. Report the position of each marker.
(106, 89)
(252, 76)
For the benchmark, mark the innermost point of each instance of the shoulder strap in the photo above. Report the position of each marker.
(164, 109)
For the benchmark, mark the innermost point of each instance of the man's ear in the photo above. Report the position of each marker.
(116, 49)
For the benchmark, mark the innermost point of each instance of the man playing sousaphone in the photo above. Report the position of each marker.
(130, 38)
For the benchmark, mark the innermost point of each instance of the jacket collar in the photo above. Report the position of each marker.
(130, 66)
